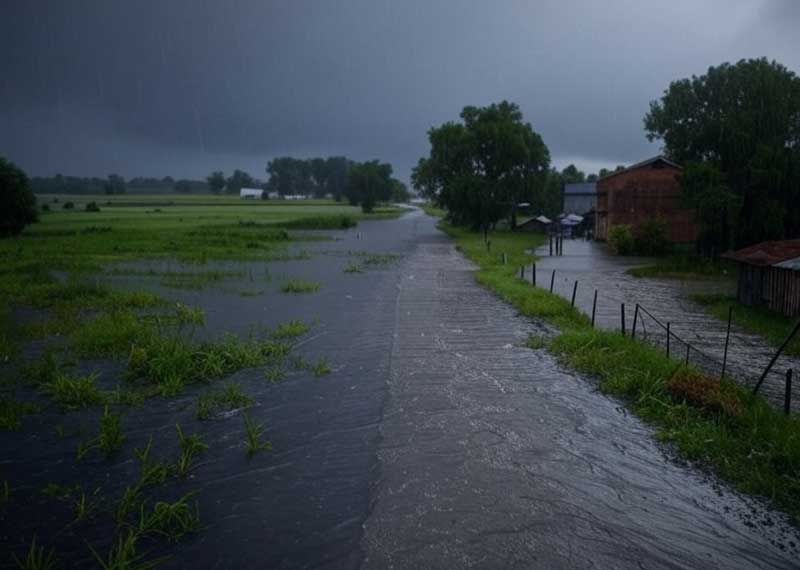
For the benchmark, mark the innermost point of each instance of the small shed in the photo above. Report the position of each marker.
(539, 224)
(769, 275)
(251, 193)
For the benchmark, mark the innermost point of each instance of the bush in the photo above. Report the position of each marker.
(69, 205)
(652, 239)
(92, 207)
(17, 202)
(45, 208)
(620, 239)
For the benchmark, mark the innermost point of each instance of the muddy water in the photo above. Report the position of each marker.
(436, 441)
(668, 300)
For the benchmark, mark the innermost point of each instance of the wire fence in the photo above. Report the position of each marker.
(640, 322)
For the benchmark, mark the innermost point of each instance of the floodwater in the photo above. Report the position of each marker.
(668, 300)
(437, 441)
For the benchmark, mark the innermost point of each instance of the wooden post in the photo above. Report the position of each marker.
(622, 314)
(688, 349)
(727, 338)
(552, 280)
(635, 318)
(551, 245)
(668, 335)
(774, 358)
(787, 395)
(533, 275)
(489, 245)
(594, 306)
(574, 290)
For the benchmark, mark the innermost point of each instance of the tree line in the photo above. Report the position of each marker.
(112, 184)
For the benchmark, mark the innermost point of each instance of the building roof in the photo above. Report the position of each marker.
(580, 188)
(769, 253)
(648, 162)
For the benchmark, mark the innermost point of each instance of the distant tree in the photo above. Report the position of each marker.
(337, 167)
(216, 181)
(240, 179)
(183, 186)
(400, 193)
(368, 183)
(17, 202)
(571, 175)
(481, 168)
(591, 178)
(743, 120)
(115, 184)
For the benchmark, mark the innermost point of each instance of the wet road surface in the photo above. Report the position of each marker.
(668, 300)
(436, 442)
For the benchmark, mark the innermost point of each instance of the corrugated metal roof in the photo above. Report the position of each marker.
(793, 264)
(580, 188)
(649, 161)
(768, 253)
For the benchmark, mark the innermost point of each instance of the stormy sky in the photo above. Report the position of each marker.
(183, 87)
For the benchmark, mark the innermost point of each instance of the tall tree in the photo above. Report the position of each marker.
(17, 202)
(368, 183)
(481, 168)
(240, 179)
(216, 181)
(115, 184)
(743, 120)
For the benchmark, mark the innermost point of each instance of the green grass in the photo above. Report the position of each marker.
(253, 441)
(738, 436)
(12, 411)
(291, 330)
(73, 392)
(773, 327)
(685, 267)
(432, 210)
(321, 367)
(353, 268)
(37, 558)
(191, 446)
(300, 286)
(110, 438)
(173, 521)
(230, 397)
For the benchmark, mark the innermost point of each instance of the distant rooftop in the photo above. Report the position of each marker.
(783, 253)
(581, 188)
(660, 158)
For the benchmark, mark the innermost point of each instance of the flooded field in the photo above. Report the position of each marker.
(668, 300)
(433, 440)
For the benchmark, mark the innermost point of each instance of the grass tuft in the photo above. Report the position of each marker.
(230, 397)
(254, 431)
(74, 392)
(191, 446)
(291, 330)
(37, 558)
(298, 286)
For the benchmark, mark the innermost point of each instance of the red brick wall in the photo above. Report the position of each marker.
(636, 196)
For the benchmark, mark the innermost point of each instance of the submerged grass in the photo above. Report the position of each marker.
(300, 286)
(230, 397)
(719, 425)
(773, 327)
(685, 267)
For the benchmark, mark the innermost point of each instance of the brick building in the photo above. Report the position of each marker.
(641, 192)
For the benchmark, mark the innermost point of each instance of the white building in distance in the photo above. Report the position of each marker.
(251, 193)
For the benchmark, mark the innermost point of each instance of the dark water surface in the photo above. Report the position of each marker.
(436, 442)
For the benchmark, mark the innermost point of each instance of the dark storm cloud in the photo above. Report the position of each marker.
(178, 87)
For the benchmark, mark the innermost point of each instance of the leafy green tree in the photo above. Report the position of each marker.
(744, 121)
(400, 193)
(368, 183)
(240, 179)
(17, 202)
(571, 175)
(481, 168)
(705, 188)
(216, 181)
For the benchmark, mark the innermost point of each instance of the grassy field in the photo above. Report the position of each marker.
(718, 425)
(772, 326)
(52, 271)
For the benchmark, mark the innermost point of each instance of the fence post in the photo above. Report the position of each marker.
(668, 335)
(774, 358)
(551, 245)
(489, 246)
(522, 272)
(622, 314)
(533, 275)
(688, 348)
(594, 306)
(787, 396)
(574, 290)
(635, 318)
(552, 280)
(727, 338)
